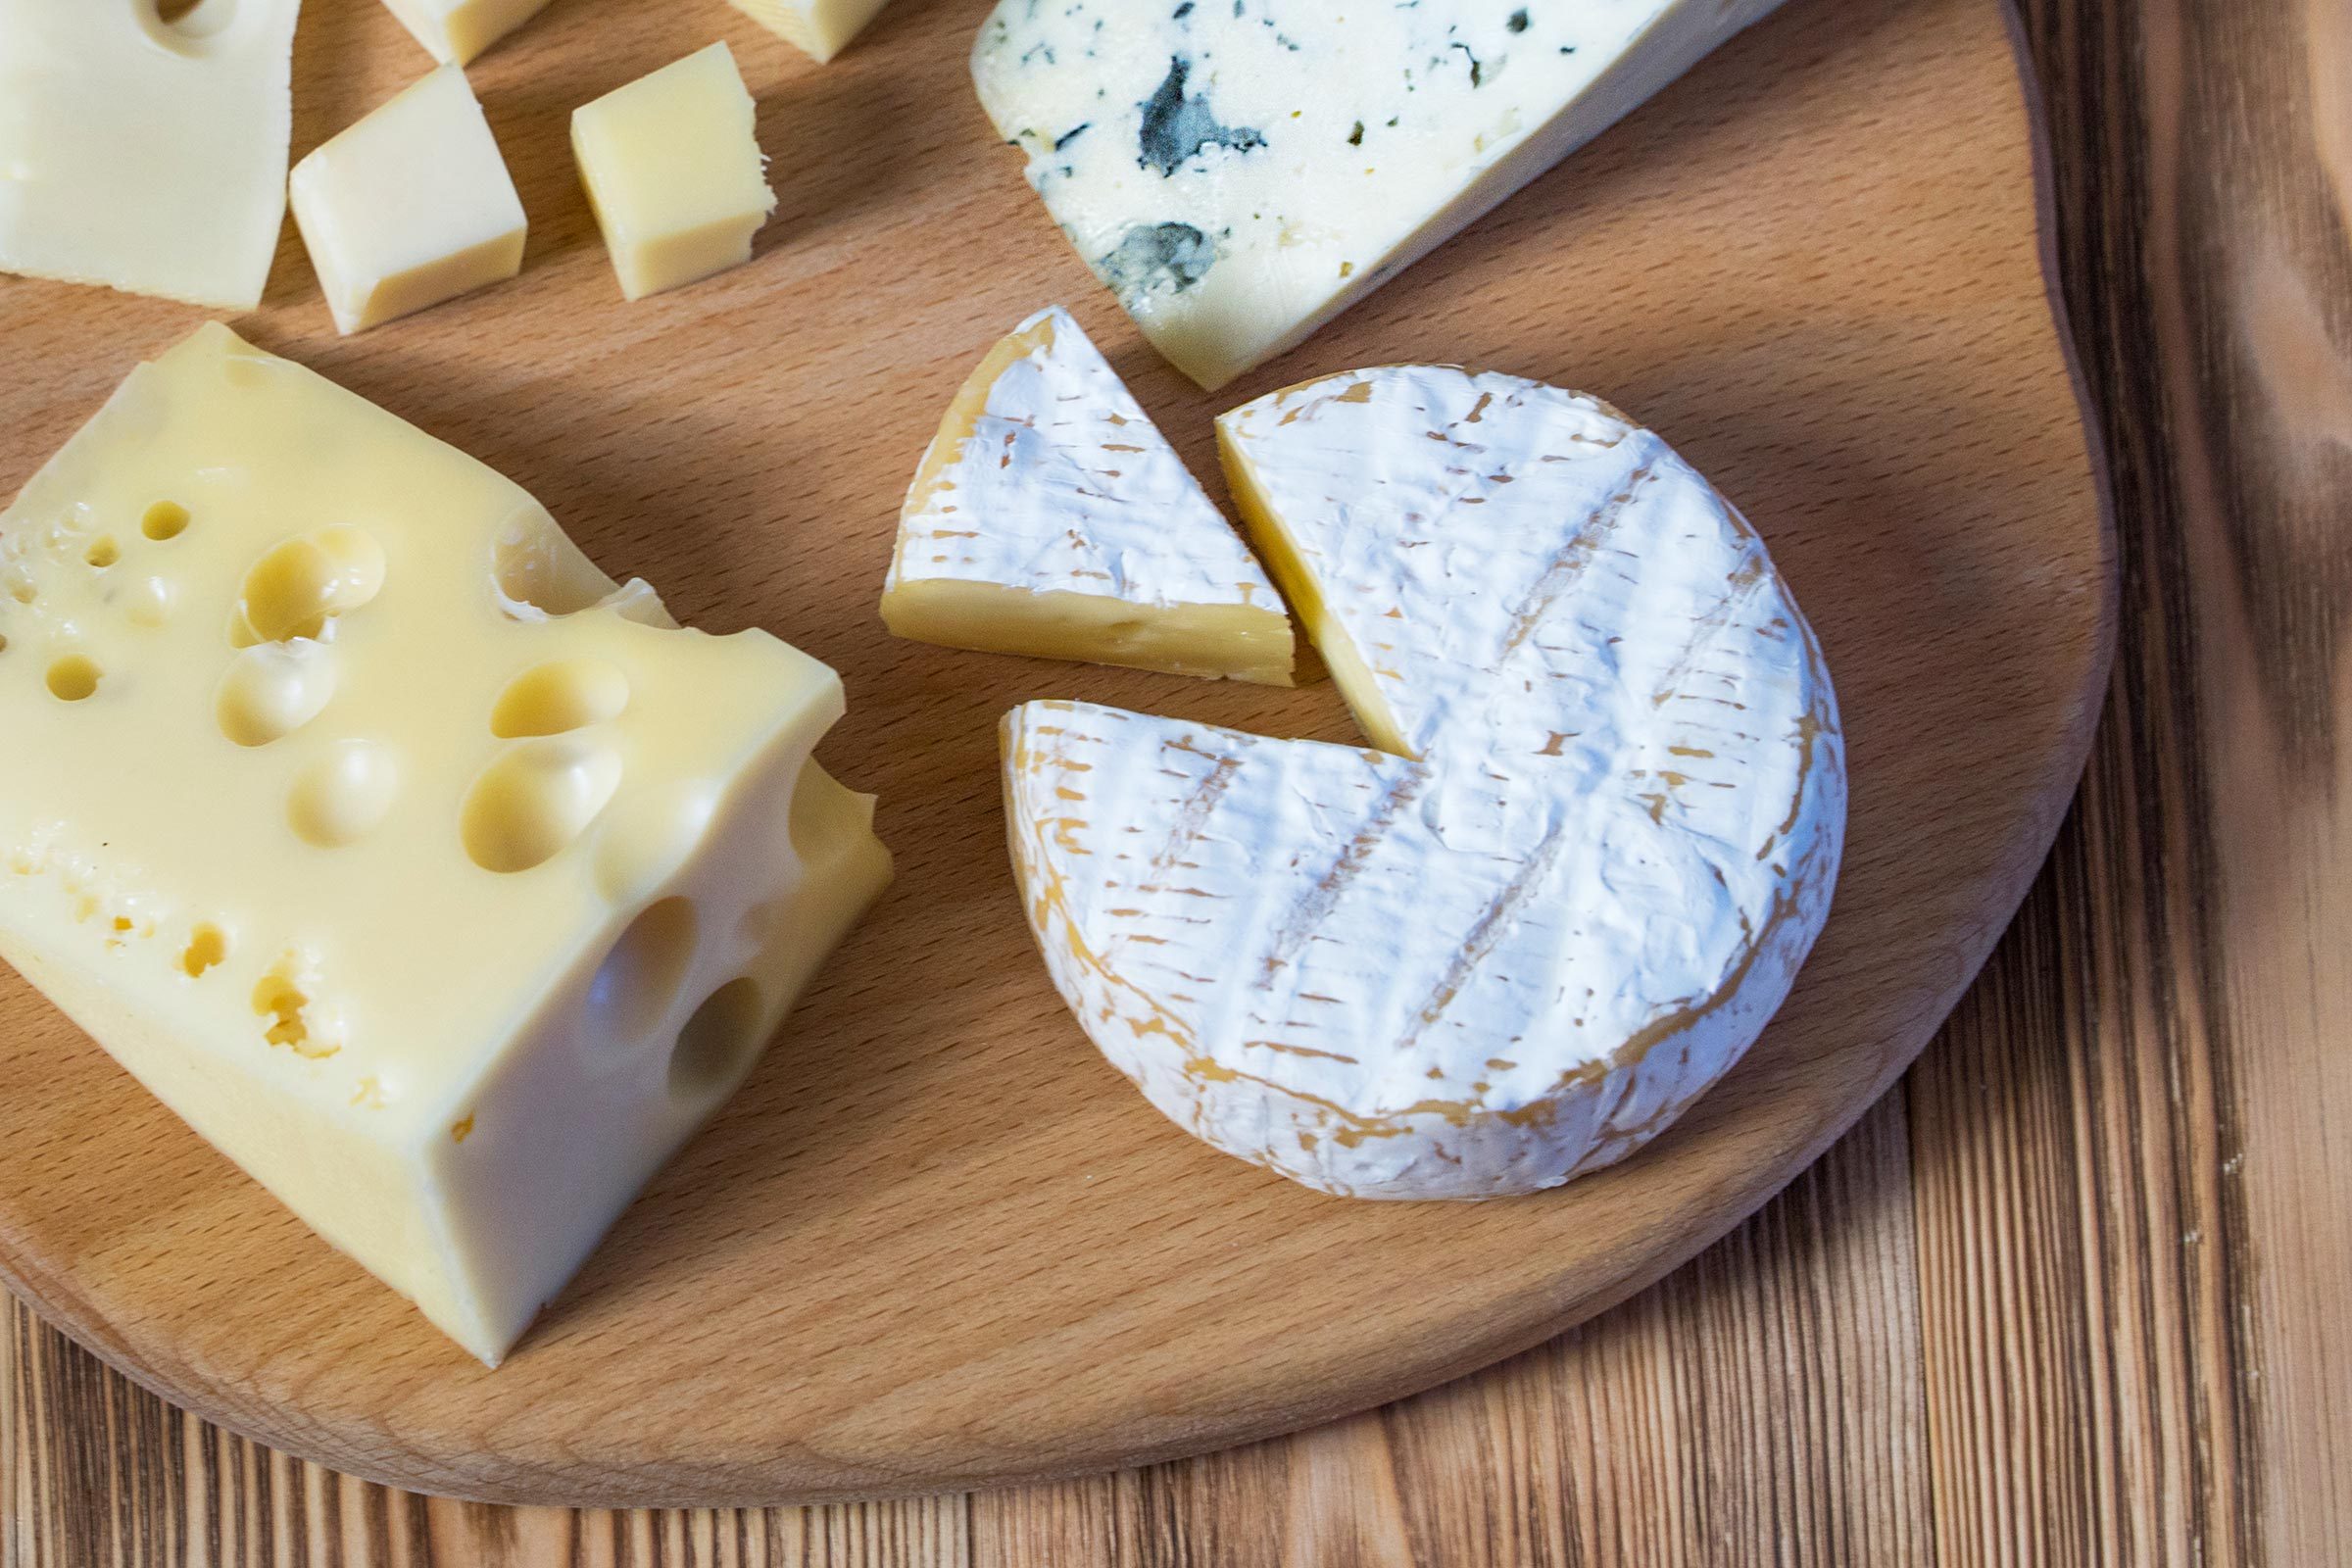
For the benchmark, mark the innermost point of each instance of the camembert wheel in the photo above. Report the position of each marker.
(1568, 891)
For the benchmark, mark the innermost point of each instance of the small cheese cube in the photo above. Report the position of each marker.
(409, 207)
(438, 880)
(455, 30)
(820, 28)
(673, 169)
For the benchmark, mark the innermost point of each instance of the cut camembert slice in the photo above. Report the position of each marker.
(1517, 941)
(1239, 174)
(1049, 517)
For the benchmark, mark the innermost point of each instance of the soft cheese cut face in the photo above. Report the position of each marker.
(1239, 174)
(146, 155)
(1049, 517)
(440, 882)
(1515, 943)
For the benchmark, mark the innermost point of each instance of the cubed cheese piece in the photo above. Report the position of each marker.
(409, 207)
(1239, 174)
(455, 30)
(673, 169)
(820, 28)
(143, 154)
(443, 884)
(1051, 518)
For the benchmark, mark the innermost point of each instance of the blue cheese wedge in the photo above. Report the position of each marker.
(1598, 836)
(1239, 172)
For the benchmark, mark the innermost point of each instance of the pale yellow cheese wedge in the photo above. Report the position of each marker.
(1050, 518)
(439, 881)
(673, 169)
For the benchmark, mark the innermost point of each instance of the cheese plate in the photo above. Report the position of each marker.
(935, 1242)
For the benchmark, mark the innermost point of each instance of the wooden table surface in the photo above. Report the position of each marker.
(2067, 1295)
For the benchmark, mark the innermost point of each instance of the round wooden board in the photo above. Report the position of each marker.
(936, 1242)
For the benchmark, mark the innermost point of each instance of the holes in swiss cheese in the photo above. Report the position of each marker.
(535, 799)
(343, 796)
(103, 552)
(207, 948)
(188, 27)
(636, 987)
(165, 521)
(555, 698)
(74, 678)
(717, 1042)
(541, 574)
(271, 690)
(301, 585)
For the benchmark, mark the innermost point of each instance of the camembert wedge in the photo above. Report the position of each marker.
(1049, 517)
(1240, 173)
(439, 881)
(1599, 838)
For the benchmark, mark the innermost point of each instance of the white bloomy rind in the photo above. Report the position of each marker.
(1051, 518)
(1063, 485)
(1240, 173)
(1518, 950)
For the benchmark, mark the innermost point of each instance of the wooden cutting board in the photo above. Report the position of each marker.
(936, 1242)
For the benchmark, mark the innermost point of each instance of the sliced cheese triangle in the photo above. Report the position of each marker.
(1600, 837)
(1049, 517)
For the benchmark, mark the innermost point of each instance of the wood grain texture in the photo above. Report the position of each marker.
(2084, 1191)
(935, 1242)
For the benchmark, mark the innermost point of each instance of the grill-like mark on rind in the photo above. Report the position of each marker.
(1190, 820)
(1489, 930)
(1570, 563)
(1745, 586)
(1314, 906)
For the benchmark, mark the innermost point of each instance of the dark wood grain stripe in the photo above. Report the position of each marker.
(2059, 1302)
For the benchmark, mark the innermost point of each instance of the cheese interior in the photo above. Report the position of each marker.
(673, 167)
(819, 29)
(454, 32)
(1239, 174)
(440, 882)
(409, 207)
(146, 155)
(1049, 517)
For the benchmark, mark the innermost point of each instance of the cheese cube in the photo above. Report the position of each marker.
(454, 32)
(443, 884)
(673, 170)
(819, 29)
(409, 207)
(144, 154)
